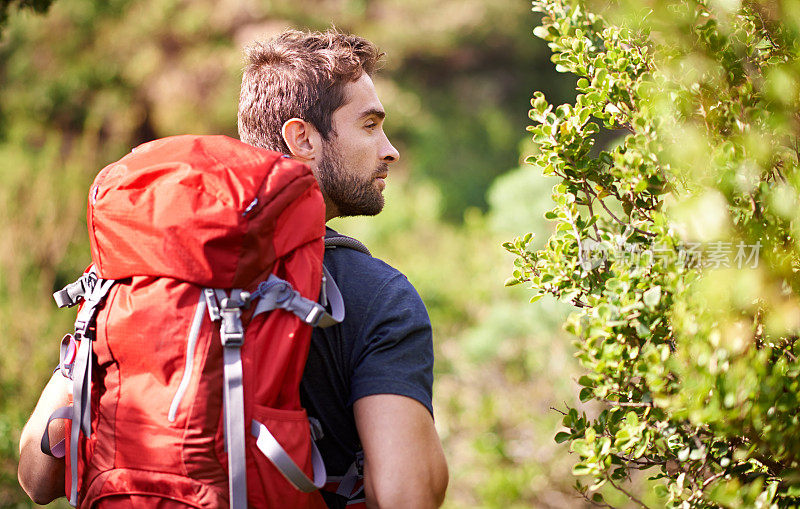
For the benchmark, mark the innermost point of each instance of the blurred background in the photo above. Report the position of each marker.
(88, 80)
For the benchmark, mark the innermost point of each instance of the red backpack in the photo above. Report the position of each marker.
(194, 329)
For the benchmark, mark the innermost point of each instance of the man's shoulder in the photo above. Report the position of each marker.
(349, 260)
(353, 261)
(362, 275)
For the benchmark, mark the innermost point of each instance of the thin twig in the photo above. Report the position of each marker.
(640, 210)
(641, 464)
(797, 150)
(589, 198)
(711, 479)
(698, 493)
(579, 304)
(618, 220)
(627, 403)
(575, 302)
(595, 503)
(630, 496)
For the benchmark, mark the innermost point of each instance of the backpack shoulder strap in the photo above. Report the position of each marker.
(334, 240)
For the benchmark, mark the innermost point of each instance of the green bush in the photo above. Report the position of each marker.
(678, 246)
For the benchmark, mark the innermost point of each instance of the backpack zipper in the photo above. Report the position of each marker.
(256, 205)
(191, 346)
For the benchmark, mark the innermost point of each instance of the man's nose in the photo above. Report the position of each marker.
(389, 153)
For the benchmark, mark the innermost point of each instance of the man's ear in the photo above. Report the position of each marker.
(302, 139)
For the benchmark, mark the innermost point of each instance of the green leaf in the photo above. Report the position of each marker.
(539, 103)
(541, 32)
(581, 469)
(562, 437)
(652, 296)
(641, 448)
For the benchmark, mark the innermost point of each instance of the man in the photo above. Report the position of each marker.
(368, 380)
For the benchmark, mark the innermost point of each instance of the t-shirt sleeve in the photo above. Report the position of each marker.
(394, 350)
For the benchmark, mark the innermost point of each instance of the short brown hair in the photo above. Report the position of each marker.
(299, 74)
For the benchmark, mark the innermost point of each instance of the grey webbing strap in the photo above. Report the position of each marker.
(58, 450)
(331, 294)
(351, 477)
(232, 336)
(82, 377)
(348, 481)
(317, 432)
(285, 464)
(279, 294)
(333, 297)
(337, 240)
(81, 371)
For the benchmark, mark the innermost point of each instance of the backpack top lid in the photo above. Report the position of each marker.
(201, 209)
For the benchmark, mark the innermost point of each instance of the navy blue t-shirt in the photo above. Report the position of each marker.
(383, 346)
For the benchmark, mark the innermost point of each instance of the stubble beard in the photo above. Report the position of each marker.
(352, 196)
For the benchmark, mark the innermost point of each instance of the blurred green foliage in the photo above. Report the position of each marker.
(500, 363)
(6, 6)
(90, 79)
(678, 247)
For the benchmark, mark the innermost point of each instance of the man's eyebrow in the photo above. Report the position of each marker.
(374, 112)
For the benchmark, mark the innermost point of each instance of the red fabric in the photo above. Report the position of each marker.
(172, 217)
(175, 207)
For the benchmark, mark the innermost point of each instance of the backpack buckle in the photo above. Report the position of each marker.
(82, 328)
(231, 330)
(315, 315)
(74, 293)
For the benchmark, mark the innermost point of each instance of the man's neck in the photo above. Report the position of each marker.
(330, 209)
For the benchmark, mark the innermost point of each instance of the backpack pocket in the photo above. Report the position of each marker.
(141, 502)
(286, 459)
(128, 488)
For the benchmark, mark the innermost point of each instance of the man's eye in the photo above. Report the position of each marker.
(371, 125)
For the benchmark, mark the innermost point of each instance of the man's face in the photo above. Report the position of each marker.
(355, 160)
